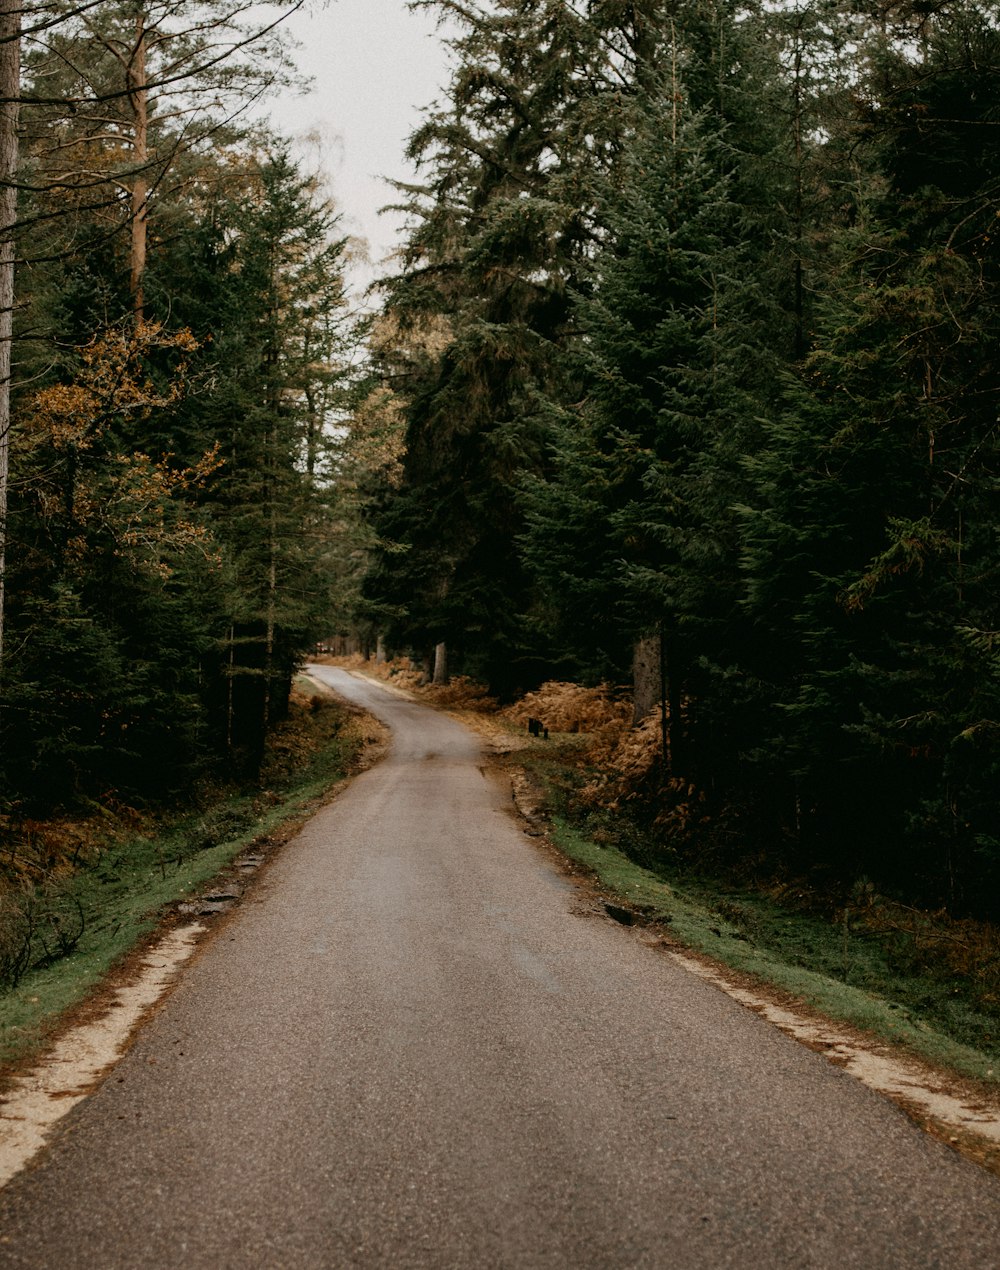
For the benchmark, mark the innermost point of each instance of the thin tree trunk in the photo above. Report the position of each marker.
(671, 680)
(666, 714)
(645, 677)
(230, 688)
(441, 663)
(798, 125)
(10, 87)
(272, 590)
(140, 149)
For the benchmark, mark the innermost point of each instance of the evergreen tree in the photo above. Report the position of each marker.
(684, 330)
(101, 689)
(871, 556)
(271, 297)
(501, 229)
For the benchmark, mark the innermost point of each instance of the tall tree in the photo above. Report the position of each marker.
(871, 556)
(684, 331)
(10, 85)
(501, 228)
(275, 287)
(115, 95)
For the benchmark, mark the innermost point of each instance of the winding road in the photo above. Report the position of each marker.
(416, 1045)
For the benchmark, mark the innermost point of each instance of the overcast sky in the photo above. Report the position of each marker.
(374, 65)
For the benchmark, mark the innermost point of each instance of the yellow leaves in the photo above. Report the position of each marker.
(113, 383)
(60, 415)
(425, 336)
(376, 441)
(131, 500)
(137, 509)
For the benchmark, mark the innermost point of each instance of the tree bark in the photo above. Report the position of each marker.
(646, 686)
(137, 95)
(671, 709)
(441, 663)
(10, 86)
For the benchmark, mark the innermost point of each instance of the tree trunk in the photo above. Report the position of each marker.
(671, 715)
(10, 86)
(137, 95)
(229, 688)
(646, 686)
(270, 618)
(441, 663)
(380, 654)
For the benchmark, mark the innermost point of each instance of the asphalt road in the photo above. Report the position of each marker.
(415, 1046)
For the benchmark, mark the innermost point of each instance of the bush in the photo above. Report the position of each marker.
(15, 935)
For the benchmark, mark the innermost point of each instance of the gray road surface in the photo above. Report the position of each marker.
(414, 1047)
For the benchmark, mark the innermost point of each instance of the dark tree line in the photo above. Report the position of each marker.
(693, 346)
(686, 373)
(182, 355)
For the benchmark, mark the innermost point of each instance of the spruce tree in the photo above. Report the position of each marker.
(502, 227)
(870, 556)
(683, 331)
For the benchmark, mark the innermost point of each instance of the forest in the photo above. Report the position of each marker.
(683, 381)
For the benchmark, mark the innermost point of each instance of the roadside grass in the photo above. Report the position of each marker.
(83, 922)
(881, 967)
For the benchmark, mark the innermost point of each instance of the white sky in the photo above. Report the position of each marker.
(374, 64)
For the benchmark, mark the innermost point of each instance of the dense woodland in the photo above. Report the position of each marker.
(182, 354)
(684, 380)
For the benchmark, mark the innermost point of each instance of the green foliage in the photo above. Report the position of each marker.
(691, 338)
(173, 492)
(503, 227)
(715, 298)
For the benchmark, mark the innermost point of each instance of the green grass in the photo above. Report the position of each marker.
(919, 980)
(127, 888)
(844, 976)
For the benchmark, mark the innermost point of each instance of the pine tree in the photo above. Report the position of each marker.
(273, 287)
(683, 333)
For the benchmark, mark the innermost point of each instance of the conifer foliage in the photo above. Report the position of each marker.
(182, 358)
(713, 289)
(685, 371)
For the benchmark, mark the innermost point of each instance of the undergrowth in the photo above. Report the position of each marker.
(459, 693)
(78, 894)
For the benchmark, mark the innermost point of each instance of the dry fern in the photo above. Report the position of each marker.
(568, 707)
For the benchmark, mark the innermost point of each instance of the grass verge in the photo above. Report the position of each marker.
(793, 952)
(132, 876)
(923, 981)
